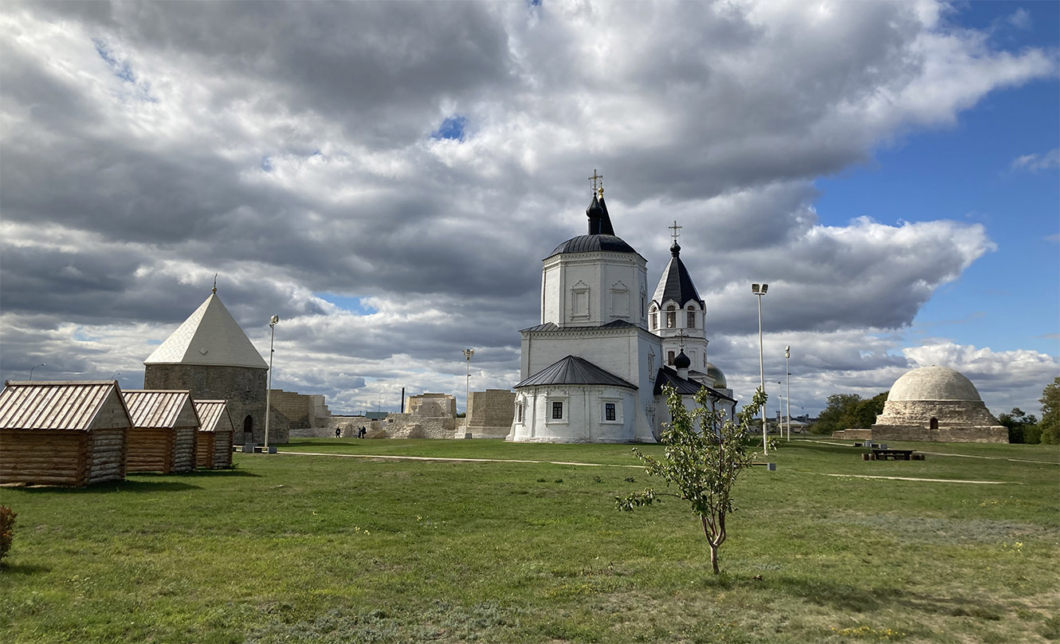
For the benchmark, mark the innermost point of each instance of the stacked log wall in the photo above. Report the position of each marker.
(150, 450)
(222, 449)
(107, 457)
(184, 449)
(204, 450)
(44, 457)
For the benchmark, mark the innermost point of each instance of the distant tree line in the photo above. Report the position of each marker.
(851, 411)
(1026, 428)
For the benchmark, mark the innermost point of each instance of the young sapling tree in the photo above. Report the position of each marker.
(702, 461)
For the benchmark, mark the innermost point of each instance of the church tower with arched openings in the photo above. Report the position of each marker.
(677, 313)
(592, 371)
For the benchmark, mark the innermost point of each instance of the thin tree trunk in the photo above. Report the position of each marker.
(714, 558)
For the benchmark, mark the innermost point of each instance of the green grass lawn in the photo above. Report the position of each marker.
(291, 548)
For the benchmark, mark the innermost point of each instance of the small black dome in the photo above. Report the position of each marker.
(591, 243)
(675, 249)
(682, 361)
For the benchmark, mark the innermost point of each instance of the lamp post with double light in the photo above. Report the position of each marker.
(760, 290)
(787, 380)
(268, 392)
(467, 383)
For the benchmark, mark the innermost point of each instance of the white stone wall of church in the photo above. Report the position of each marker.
(598, 274)
(584, 418)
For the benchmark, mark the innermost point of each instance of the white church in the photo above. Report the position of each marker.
(593, 370)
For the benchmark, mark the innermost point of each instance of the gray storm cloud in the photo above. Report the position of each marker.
(294, 148)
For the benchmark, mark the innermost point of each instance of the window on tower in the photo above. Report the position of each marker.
(654, 320)
(671, 316)
(670, 358)
(691, 318)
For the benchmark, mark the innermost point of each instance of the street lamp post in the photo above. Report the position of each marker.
(467, 383)
(787, 379)
(35, 367)
(760, 290)
(268, 391)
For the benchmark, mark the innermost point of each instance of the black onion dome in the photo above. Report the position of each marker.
(682, 361)
(590, 243)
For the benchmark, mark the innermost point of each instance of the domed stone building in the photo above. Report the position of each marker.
(936, 404)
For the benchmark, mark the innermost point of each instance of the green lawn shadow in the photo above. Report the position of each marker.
(111, 487)
(848, 597)
(23, 569)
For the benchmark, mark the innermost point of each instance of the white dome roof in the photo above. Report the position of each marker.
(933, 383)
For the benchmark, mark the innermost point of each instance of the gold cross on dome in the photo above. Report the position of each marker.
(675, 228)
(595, 179)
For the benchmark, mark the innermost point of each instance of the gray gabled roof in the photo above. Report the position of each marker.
(573, 370)
(210, 336)
(552, 326)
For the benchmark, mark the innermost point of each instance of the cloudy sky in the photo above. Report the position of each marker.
(387, 176)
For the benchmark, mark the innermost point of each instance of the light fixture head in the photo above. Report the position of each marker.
(765, 287)
(275, 320)
(754, 288)
(787, 352)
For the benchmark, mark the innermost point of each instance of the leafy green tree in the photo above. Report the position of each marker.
(1021, 427)
(1050, 425)
(834, 417)
(702, 466)
(863, 415)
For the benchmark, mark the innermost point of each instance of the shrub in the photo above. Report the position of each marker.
(7, 529)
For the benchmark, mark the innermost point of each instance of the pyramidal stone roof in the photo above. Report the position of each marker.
(210, 337)
(676, 284)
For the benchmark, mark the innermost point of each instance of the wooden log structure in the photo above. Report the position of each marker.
(164, 433)
(216, 433)
(62, 433)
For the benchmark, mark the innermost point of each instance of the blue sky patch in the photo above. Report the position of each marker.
(451, 128)
(121, 69)
(353, 304)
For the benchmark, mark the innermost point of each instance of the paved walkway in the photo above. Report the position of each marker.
(909, 478)
(454, 459)
(989, 458)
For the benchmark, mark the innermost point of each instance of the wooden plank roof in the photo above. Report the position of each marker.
(54, 404)
(212, 415)
(157, 409)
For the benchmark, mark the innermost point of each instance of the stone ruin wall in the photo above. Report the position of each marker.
(959, 422)
(294, 411)
(431, 405)
(490, 413)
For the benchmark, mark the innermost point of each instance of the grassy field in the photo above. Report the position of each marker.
(300, 548)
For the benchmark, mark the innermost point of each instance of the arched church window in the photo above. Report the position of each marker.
(670, 358)
(691, 318)
(654, 320)
(934, 423)
(671, 316)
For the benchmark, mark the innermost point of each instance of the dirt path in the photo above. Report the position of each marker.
(910, 478)
(989, 458)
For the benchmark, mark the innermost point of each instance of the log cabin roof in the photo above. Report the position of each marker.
(159, 409)
(213, 416)
(55, 404)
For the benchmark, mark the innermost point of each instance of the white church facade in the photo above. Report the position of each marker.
(594, 368)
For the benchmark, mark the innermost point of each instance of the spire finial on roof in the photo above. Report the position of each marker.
(674, 230)
(215, 283)
(597, 179)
